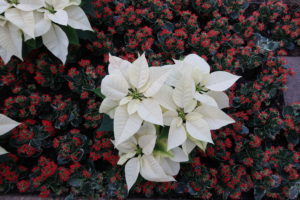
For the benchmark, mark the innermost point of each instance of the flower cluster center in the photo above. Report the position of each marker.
(181, 114)
(135, 94)
(201, 88)
(139, 150)
(13, 1)
(50, 8)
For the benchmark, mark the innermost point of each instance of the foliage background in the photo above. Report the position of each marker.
(63, 146)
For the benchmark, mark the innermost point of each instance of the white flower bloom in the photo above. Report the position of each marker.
(187, 120)
(39, 18)
(24, 5)
(130, 91)
(62, 12)
(209, 87)
(137, 152)
(6, 124)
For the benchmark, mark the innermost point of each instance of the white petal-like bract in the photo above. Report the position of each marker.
(10, 41)
(183, 94)
(22, 19)
(57, 42)
(220, 81)
(114, 87)
(220, 97)
(139, 72)
(2, 151)
(59, 17)
(152, 171)
(108, 106)
(30, 5)
(197, 62)
(125, 125)
(132, 170)
(150, 111)
(177, 135)
(77, 18)
(199, 130)
(215, 117)
(7, 124)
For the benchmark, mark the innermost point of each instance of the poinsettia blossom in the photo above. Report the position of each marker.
(137, 152)
(186, 119)
(37, 18)
(6, 124)
(130, 90)
(209, 87)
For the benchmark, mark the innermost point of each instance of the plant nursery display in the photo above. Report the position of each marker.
(136, 96)
(121, 99)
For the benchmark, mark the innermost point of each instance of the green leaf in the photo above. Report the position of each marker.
(86, 35)
(72, 35)
(75, 182)
(106, 124)
(160, 148)
(97, 91)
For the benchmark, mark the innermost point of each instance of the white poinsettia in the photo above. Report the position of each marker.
(130, 91)
(191, 99)
(37, 18)
(6, 124)
(10, 40)
(209, 87)
(24, 5)
(62, 12)
(137, 154)
(20, 13)
(188, 120)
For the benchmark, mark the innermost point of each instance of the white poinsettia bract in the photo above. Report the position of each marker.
(162, 113)
(6, 124)
(39, 18)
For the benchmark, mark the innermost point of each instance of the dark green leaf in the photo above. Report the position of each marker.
(75, 182)
(72, 35)
(106, 124)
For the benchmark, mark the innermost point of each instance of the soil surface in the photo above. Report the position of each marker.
(292, 95)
